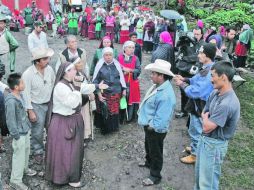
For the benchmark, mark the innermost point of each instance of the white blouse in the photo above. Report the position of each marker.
(65, 99)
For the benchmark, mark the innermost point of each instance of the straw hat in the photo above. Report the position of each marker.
(160, 66)
(39, 53)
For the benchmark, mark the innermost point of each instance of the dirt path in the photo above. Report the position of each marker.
(111, 161)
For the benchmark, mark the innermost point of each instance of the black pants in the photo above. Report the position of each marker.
(184, 100)
(154, 152)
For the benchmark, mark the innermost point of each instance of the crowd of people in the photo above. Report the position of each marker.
(68, 100)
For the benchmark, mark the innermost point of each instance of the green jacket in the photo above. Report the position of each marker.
(13, 45)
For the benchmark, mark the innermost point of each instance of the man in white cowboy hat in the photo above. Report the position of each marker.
(155, 115)
(8, 44)
(39, 79)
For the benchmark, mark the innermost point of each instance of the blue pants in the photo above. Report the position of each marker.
(195, 131)
(210, 155)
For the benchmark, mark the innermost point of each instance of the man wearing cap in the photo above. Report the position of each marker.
(38, 38)
(198, 89)
(155, 115)
(39, 79)
(8, 44)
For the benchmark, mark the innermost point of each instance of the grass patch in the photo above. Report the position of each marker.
(238, 168)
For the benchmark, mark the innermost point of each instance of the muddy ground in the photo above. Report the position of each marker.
(111, 162)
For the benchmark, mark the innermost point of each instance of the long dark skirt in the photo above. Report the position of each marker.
(147, 46)
(73, 31)
(84, 30)
(109, 125)
(65, 149)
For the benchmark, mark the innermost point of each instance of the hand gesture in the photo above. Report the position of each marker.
(32, 116)
(103, 86)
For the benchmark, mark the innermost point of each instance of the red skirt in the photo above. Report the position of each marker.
(91, 32)
(124, 36)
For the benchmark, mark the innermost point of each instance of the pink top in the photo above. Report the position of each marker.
(110, 21)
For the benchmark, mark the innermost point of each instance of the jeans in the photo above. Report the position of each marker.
(20, 157)
(37, 129)
(1, 186)
(195, 131)
(154, 152)
(210, 155)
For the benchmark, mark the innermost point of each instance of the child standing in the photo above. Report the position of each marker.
(19, 127)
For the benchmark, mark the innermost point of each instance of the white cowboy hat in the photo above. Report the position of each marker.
(160, 66)
(39, 53)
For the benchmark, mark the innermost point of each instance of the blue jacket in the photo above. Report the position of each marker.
(200, 85)
(157, 108)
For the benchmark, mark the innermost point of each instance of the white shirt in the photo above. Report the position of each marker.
(3, 87)
(125, 23)
(35, 41)
(65, 99)
(38, 87)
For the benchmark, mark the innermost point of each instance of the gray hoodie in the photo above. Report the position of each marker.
(16, 116)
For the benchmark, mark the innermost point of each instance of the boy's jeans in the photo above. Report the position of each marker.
(195, 131)
(210, 155)
(20, 157)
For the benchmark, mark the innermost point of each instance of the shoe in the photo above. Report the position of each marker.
(181, 114)
(30, 172)
(191, 159)
(151, 181)
(143, 165)
(38, 159)
(19, 186)
(187, 149)
(76, 185)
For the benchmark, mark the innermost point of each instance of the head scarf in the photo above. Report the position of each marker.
(246, 36)
(59, 76)
(218, 40)
(106, 38)
(128, 43)
(107, 50)
(166, 38)
(200, 24)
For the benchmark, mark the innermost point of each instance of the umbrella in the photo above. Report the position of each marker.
(170, 14)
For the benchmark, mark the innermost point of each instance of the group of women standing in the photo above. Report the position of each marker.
(114, 76)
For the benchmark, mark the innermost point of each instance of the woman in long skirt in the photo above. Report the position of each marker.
(65, 147)
(91, 28)
(124, 33)
(131, 69)
(149, 29)
(110, 23)
(107, 101)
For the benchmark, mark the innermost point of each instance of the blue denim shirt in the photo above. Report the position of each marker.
(157, 108)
